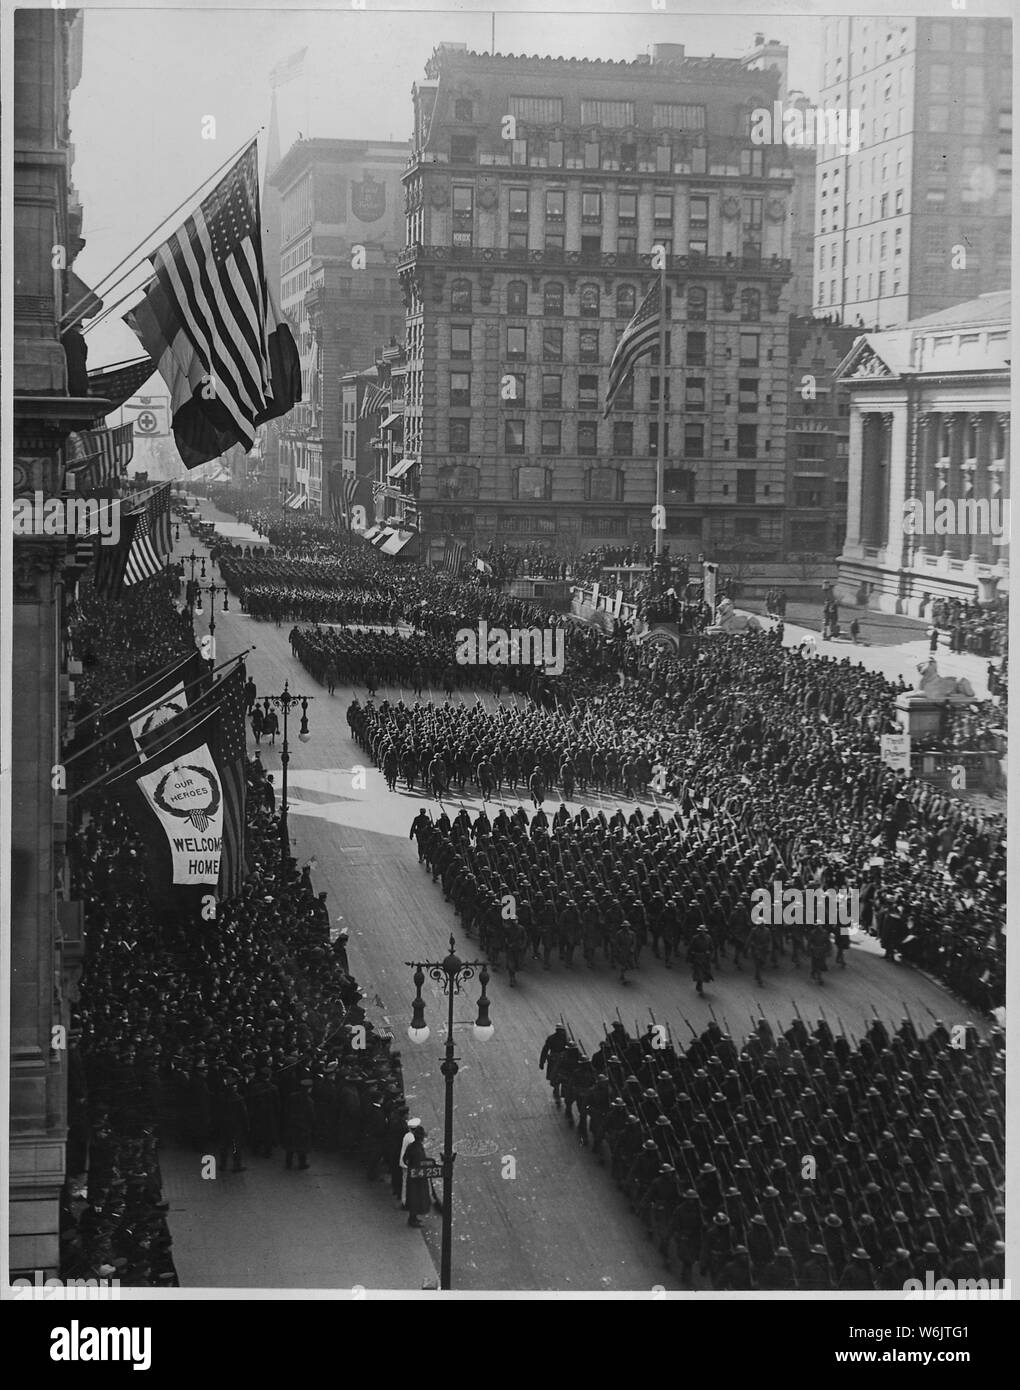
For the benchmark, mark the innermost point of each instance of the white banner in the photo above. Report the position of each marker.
(150, 415)
(896, 751)
(173, 703)
(187, 799)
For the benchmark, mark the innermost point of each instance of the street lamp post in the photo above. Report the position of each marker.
(194, 560)
(212, 590)
(286, 702)
(452, 973)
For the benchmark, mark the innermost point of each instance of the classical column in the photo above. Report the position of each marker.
(943, 449)
(998, 472)
(957, 546)
(896, 479)
(923, 477)
(855, 480)
(975, 488)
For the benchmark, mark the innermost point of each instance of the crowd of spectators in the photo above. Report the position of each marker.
(981, 628)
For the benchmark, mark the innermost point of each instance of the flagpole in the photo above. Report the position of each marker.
(71, 317)
(660, 450)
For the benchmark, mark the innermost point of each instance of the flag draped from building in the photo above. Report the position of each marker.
(118, 384)
(139, 721)
(208, 319)
(374, 399)
(187, 797)
(639, 337)
(343, 488)
(112, 560)
(97, 458)
(454, 554)
(152, 541)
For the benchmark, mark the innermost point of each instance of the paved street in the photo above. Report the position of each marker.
(550, 1218)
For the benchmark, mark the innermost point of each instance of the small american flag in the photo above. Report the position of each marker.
(152, 541)
(374, 399)
(454, 554)
(639, 337)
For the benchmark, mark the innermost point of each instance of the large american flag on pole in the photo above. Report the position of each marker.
(210, 323)
(640, 336)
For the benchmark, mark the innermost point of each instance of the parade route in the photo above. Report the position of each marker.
(533, 1209)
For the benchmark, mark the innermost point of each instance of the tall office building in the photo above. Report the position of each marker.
(918, 217)
(535, 192)
(341, 227)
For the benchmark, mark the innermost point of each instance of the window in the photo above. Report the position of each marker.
(539, 110)
(672, 116)
(587, 392)
(555, 205)
(587, 438)
(974, 118)
(589, 301)
(517, 297)
(699, 215)
(591, 207)
(653, 391)
(532, 482)
(747, 441)
(518, 152)
(664, 159)
(463, 110)
(975, 38)
(463, 149)
(519, 203)
(551, 432)
(552, 344)
(554, 242)
(611, 113)
(592, 151)
(938, 79)
(750, 306)
(626, 209)
(938, 119)
(460, 295)
(591, 248)
(694, 439)
(626, 246)
(624, 398)
(746, 486)
(552, 392)
(513, 436)
(898, 203)
(653, 356)
(628, 159)
(696, 348)
(517, 240)
(516, 342)
(679, 481)
(663, 209)
(623, 438)
(747, 395)
(694, 397)
(626, 298)
(460, 342)
(460, 436)
(746, 526)
(460, 388)
(653, 439)
(749, 349)
(753, 211)
(514, 388)
(697, 304)
(588, 345)
(554, 156)
(552, 300)
(463, 215)
(699, 159)
(752, 163)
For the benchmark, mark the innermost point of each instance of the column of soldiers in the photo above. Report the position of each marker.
(801, 1159)
(587, 886)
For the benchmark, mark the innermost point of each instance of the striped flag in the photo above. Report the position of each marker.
(209, 321)
(289, 69)
(117, 384)
(374, 399)
(454, 554)
(343, 488)
(229, 751)
(152, 540)
(112, 560)
(97, 458)
(639, 337)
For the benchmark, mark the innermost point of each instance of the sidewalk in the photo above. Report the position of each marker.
(268, 1228)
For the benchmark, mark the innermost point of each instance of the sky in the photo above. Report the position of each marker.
(151, 76)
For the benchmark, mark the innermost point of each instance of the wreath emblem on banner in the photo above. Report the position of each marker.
(171, 789)
(162, 714)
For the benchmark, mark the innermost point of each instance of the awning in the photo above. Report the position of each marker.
(391, 419)
(295, 500)
(371, 533)
(397, 470)
(396, 541)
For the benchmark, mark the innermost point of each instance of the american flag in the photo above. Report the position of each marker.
(289, 69)
(640, 336)
(112, 560)
(152, 541)
(209, 321)
(230, 763)
(342, 491)
(374, 399)
(117, 384)
(454, 554)
(98, 458)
